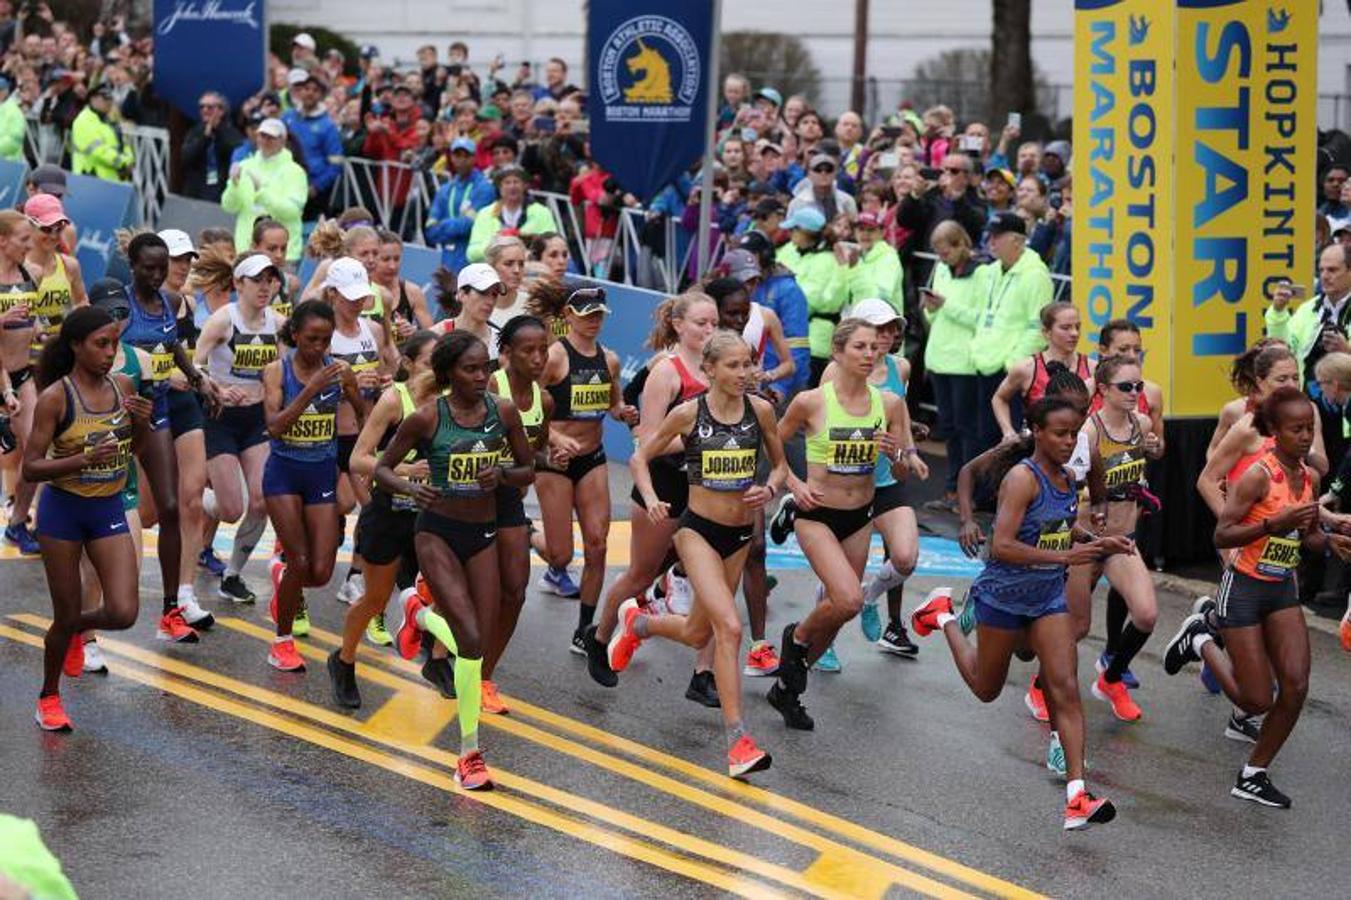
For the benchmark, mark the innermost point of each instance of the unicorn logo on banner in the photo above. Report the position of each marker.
(655, 84)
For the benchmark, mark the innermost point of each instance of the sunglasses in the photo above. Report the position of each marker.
(118, 313)
(824, 169)
(1129, 387)
(54, 228)
(954, 171)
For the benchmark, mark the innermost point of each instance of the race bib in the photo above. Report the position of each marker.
(1280, 557)
(1124, 474)
(728, 469)
(463, 469)
(251, 358)
(591, 400)
(161, 362)
(311, 428)
(853, 451)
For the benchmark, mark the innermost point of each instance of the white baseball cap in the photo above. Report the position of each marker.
(479, 276)
(178, 242)
(875, 311)
(253, 266)
(305, 40)
(274, 128)
(348, 277)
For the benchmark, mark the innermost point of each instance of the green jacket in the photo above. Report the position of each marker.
(825, 283)
(487, 223)
(13, 129)
(953, 325)
(878, 274)
(1300, 329)
(27, 862)
(97, 148)
(281, 191)
(1008, 324)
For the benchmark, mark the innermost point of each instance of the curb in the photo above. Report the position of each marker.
(1195, 587)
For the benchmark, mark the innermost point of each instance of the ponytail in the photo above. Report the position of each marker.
(58, 355)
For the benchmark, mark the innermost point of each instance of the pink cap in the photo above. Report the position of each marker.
(45, 209)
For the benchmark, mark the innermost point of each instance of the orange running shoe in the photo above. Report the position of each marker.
(1117, 694)
(762, 661)
(1346, 632)
(471, 772)
(745, 757)
(51, 715)
(491, 701)
(1085, 810)
(275, 572)
(624, 642)
(925, 619)
(408, 636)
(283, 656)
(74, 662)
(172, 627)
(1035, 701)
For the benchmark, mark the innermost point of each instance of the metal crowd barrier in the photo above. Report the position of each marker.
(150, 174)
(398, 194)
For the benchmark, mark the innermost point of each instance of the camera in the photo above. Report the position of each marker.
(1055, 200)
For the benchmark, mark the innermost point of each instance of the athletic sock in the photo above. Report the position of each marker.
(887, 578)
(1250, 771)
(1116, 620)
(942, 619)
(351, 571)
(468, 693)
(735, 732)
(247, 536)
(640, 624)
(432, 622)
(1199, 641)
(209, 505)
(186, 592)
(1073, 787)
(585, 615)
(1132, 640)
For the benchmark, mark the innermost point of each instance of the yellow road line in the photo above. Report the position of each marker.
(319, 715)
(690, 794)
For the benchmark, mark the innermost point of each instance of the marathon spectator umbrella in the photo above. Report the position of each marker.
(209, 45)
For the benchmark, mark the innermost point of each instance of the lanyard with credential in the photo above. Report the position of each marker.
(992, 303)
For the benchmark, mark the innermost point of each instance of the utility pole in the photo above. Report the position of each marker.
(856, 94)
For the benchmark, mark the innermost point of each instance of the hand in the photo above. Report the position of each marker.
(1110, 546)
(932, 302)
(489, 479)
(424, 495)
(11, 400)
(324, 377)
(970, 539)
(804, 496)
(234, 173)
(1281, 296)
(1010, 134)
(918, 466)
(626, 413)
(658, 510)
(1098, 520)
(757, 496)
(1009, 437)
(368, 380)
(15, 315)
(403, 328)
(1151, 444)
(1293, 518)
(888, 446)
(105, 451)
(1341, 545)
(419, 469)
(1335, 342)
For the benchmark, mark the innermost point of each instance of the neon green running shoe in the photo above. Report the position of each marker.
(300, 625)
(376, 632)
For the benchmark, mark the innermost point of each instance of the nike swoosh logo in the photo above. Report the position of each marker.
(326, 494)
(168, 328)
(490, 534)
(743, 538)
(117, 525)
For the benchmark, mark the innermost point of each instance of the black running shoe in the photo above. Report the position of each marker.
(598, 660)
(782, 524)
(896, 640)
(441, 673)
(343, 677)
(1180, 650)
(1259, 789)
(793, 664)
(703, 691)
(578, 644)
(1243, 728)
(793, 712)
(233, 588)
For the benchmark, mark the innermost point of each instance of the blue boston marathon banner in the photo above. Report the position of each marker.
(209, 45)
(98, 208)
(649, 78)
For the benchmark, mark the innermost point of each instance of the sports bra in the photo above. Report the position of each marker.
(720, 456)
(51, 308)
(82, 428)
(847, 445)
(1040, 377)
(155, 334)
(584, 395)
(361, 352)
(1123, 460)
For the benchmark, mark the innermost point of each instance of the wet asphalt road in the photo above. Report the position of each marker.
(199, 771)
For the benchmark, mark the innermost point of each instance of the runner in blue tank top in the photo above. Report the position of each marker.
(1020, 595)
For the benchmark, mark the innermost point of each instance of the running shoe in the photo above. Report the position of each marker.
(1208, 679)
(275, 571)
(1345, 631)
(208, 560)
(51, 715)
(1055, 755)
(624, 642)
(408, 636)
(1035, 701)
(1127, 676)
(283, 656)
(598, 659)
(376, 632)
(1116, 694)
(793, 663)
(491, 700)
(1259, 789)
(578, 643)
(173, 628)
(1181, 648)
(233, 588)
(897, 640)
(1206, 607)
(966, 619)
(73, 664)
(94, 662)
(300, 625)
(441, 673)
(829, 662)
(559, 583)
(343, 678)
(677, 592)
(703, 690)
(782, 524)
(870, 620)
(471, 772)
(194, 615)
(762, 661)
(1243, 728)
(745, 757)
(925, 619)
(790, 707)
(1085, 810)
(21, 537)
(352, 589)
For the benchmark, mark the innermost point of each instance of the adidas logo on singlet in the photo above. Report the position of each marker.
(731, 444)
(479, 447)
(311, 410)
(595, 379)
(360, 359)
(856, 436)
(255, 339)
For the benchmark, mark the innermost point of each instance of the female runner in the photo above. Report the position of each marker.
(475, 290)
(583, 379)
(18, 297)
(506, 254)
(550, 250)
(848, 423)
(237, 343)
(350, 235)
(1060, 325)
(524, 349)
(386, 523)
(302, 390)
(1019, 596)
(676, 374)
(408, 304)
(88, 419)
(270, 238)
(1269, 513)
(465, 433)
(721, 432)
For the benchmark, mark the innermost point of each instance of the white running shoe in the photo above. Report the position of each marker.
(94, 662)
(194, 615)
(352, 590)
(679, 594)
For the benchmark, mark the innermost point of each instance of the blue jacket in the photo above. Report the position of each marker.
(322, 145)
(787, 178)
(780, 292)
(245, 149)
(451, 218)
